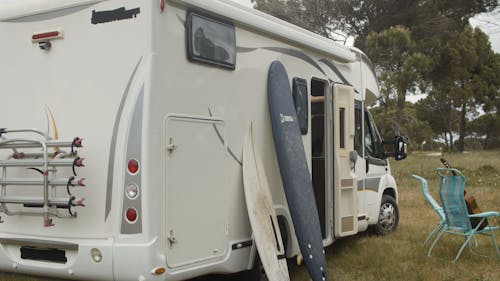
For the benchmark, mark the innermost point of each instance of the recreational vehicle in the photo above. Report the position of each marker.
(123, 125)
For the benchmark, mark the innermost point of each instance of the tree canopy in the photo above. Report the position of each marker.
(418, 46)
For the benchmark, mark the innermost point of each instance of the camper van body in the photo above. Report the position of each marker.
(163, 129)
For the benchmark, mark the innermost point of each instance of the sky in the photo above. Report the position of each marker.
(489, 23)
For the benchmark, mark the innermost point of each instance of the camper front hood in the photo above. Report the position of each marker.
(11, 9)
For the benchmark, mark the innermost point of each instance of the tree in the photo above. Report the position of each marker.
(418, 132)
(360, 17)
(468, 72)
(441, 54)
(438, 111)
(393, 52)
(425, 18)
(487, 128)
(314, 16)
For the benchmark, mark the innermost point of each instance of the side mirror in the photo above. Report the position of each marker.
(399, 148)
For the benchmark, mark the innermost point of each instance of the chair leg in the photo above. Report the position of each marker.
(467, 241)
(493, 238)
(496, 246)
(434, 243)
(434, 232)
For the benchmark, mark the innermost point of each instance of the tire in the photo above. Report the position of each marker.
(388, 219)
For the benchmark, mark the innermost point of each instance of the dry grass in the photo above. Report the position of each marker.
(401, 256)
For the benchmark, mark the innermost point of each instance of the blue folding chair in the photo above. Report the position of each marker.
(451, 191)
(435, 206)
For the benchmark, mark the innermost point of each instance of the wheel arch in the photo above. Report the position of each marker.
(388, 186)
(391, 191)
(286, 226)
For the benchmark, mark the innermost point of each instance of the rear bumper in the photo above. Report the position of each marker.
(130, 261)
(79, 263)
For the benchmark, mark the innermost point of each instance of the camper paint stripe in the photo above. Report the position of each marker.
(336, 70)
(222, 141)
(245, 49)
(33, 12)
(365, 59)
(112, 150)
(372, 184)
(360, 185)
(291, 52)
(297, 54)
(134, 151)
(301, 55)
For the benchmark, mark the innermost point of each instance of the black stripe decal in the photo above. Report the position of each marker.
(114, 15)
(297, 54)
(245, 49)
(336, 70)
(291, 52)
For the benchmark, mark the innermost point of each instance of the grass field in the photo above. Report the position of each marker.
(401, 256)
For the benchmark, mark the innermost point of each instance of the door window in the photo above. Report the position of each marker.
(373, 143)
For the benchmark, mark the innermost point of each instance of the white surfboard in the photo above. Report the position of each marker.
(262, 215)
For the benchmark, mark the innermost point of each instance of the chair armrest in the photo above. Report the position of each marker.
(485, 215)
(419, 178)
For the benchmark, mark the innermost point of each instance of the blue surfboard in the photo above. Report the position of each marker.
(295, 172)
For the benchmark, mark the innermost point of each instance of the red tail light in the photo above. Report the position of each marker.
(43, 36)
(133, 166)
(131, 215)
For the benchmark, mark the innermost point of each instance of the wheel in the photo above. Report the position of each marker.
(388, 218)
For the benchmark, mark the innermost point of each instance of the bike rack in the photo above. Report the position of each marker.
(37, 157)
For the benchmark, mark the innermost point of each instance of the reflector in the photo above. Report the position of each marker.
(46, 36)
(131, 215)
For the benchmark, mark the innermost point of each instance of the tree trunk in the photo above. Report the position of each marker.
(451, 140)
(400, 105)
(446, 139)
(461, 138)
(384, 120)
(486, 141)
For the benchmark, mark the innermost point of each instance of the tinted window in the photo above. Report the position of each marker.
(342, 127)
(358, 136)
(299, 94)
(211, 40)
(373, 143)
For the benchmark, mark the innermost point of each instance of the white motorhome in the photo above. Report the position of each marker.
(123, 125)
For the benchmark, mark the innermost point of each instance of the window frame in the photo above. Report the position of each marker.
(303, 100)
(192, 57)
(358, 127)
(378, 149)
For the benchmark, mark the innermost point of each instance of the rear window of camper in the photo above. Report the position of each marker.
(210, 40)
